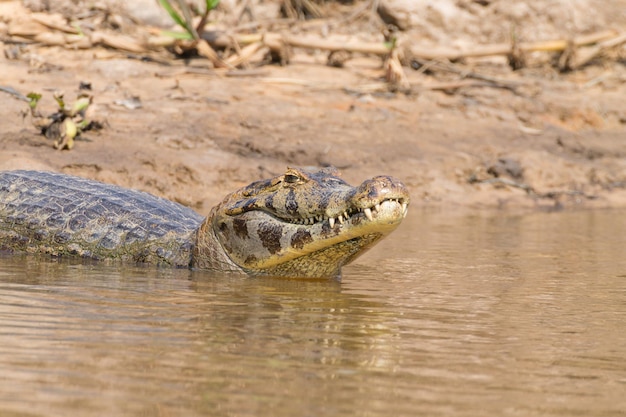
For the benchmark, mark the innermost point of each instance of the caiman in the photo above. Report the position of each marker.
(299, 224)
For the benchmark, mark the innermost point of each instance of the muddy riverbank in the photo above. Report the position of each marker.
(555, 140)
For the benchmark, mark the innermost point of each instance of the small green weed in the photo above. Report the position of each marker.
(181, 14)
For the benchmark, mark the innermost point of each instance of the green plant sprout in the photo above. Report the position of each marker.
(182, 16)
(64, 125)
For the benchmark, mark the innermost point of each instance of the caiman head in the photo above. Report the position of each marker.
(299, 224)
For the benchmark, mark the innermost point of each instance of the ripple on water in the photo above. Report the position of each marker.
(454, 314)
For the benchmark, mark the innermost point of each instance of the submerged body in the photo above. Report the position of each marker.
(300, 224)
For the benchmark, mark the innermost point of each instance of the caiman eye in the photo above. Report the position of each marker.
(291, 178)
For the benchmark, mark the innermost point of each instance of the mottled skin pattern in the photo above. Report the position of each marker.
(299, 224)
(58, 214)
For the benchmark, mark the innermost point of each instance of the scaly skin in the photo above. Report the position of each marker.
(61, 215)
(300, 224)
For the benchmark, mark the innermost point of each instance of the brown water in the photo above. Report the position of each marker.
(454, 315)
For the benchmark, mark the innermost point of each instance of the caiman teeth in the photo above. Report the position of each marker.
(347, 214)
(368, 213)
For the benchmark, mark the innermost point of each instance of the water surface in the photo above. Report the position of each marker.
(455, 314)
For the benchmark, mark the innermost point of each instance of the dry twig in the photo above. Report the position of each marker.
(504, 49)
(585, 55)
(429, 65)
(529, 189)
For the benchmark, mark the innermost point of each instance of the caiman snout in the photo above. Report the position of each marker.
(373, 192)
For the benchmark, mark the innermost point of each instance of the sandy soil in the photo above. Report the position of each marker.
(200, 134)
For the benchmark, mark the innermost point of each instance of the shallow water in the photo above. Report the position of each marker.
(453, 315)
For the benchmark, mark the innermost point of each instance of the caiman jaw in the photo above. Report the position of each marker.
(369, 213)
(306, 224)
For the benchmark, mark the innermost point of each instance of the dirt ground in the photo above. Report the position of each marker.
(557, 140)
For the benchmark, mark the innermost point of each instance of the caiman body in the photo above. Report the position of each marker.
(299, 224)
